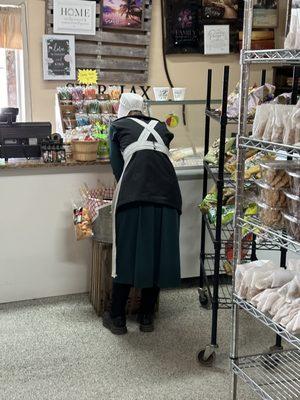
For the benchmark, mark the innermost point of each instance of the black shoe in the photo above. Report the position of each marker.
(146, 322)
(116, 325)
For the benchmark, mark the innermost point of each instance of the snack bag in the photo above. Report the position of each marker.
(260, 120)
(82, 222)
(269, 125)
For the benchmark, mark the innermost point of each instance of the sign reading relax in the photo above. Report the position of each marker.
(74, 17)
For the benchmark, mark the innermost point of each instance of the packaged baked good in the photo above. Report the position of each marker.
(274, 174)
(269, 195)
(270, 216)
(294, 179)
(292, 225)
(293, 203)
(260, 121)
(269, 125)
(281, 112)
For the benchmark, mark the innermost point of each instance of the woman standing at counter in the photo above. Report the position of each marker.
(147, 211)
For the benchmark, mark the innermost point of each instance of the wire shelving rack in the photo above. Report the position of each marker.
(274, 375)
(217, 292)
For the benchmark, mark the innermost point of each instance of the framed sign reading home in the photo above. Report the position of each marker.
(59, 57)
(74, 17)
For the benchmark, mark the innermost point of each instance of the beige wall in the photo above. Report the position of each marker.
(186, 70)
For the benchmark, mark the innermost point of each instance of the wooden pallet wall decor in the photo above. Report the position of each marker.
(119, 56)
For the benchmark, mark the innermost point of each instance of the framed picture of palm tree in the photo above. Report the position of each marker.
(122, 14)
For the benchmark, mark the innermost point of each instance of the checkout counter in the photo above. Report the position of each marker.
(40, 256)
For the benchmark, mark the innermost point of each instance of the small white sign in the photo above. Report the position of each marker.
(216, 39)
(74, 17)
(59, 57)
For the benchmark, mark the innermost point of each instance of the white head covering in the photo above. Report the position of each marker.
(130, 102)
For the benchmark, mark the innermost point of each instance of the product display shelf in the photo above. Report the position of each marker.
(219, 232)
(216, 115)
(212, 171)
(278, 237)
(281, 56)
(266, 320)
(224, 284)
(271, 376)
(270, 147)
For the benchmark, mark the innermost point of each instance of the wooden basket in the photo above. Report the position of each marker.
(101, 281)
(84, 150)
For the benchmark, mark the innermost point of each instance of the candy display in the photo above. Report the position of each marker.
(83, 106)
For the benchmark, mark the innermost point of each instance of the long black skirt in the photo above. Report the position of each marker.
(147, 239)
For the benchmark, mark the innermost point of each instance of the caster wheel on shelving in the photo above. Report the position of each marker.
(207, 362)
(204, 299)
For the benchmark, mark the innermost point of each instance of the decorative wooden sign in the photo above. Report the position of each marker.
(119, 55)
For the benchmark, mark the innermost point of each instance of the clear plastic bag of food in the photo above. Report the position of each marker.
(267, 135)
(82, 222)
(260, 121)
(278, 122)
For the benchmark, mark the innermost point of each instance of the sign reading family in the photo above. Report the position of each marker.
(74, 17)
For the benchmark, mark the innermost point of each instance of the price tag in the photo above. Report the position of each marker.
(87, 76)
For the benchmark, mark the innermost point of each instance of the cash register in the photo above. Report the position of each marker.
(21, 139)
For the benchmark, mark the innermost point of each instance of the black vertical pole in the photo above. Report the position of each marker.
(263, 76)
(296, 76)
(220, 185)
(204, 190)
(253, 247)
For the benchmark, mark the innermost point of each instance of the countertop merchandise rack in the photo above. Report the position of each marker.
(275, 374)
(218, 293)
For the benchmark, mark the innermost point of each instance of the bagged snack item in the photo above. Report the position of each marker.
(90, 92)
(77, 93)
(278, 124)
(289, 128)
(275, 279)
(82, 119)
(93, 106)
(270, 216)
(252, 164)
(115, 106)
(290, 40)
(82, 222)
(212, 157)
(295, 126)
(283, 98)
(294, 178)
(267, 135)
(273, 173)
(293, 203)
(292, 225)
(114, 92)
(260, 121)
(269, 195)
(227, 215)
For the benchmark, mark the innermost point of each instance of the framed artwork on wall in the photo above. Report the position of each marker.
(265, 14)
(74, 17)
(59, 57)
(122, 14)
(182, 26)
(220, 9)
